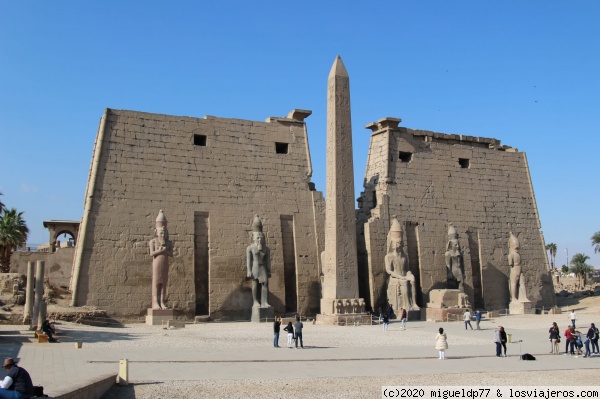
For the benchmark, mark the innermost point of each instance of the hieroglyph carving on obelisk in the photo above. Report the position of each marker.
(340, 267)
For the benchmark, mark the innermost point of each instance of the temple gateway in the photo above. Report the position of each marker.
(432, 228)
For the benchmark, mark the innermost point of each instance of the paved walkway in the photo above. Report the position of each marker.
(60, 366)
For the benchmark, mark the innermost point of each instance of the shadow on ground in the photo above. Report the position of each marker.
(125, 392)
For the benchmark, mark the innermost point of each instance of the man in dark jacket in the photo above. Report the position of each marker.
(17, 383)
(276, 327)
(298, 332)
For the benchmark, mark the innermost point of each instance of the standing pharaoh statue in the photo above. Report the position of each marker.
(454, 264)
(517, 279)
(258, 263)
(402, 281)
(161, 248)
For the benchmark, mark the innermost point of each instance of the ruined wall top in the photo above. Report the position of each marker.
(388, 123)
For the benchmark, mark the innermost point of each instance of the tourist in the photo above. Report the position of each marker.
(503, 339)
(49, 330)
(569, 344)
(578, 340)
(386, 320)
(290, 330)
(589, 339)
(17, 383)
(276, 326)
(467, 319)
(477, 319)
(441, 343)
(573, 317)
(554, 338)
(298, 332)
(498, 341)
(403, 319)
(595, 339)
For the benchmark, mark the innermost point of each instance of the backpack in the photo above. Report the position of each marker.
(595, 336)
(39, 392)
(527, 356)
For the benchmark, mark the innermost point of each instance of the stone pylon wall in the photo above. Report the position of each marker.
(210, 176)
(430, 179)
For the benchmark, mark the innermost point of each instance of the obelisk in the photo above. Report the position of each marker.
(340, 266)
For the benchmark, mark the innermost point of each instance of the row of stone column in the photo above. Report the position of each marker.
(35, 306)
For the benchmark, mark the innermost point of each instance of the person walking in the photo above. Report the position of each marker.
(573, 317)
(441, 343)
(298, 332)
(290, 330)
(386, 320)
(498, 342)
(467, 319)
(503, 339)
(477, 319)
(554, 338)
(403, 319)
(276, 327)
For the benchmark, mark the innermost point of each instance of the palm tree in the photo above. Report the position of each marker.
(1, 205)
(580, 268)
(552, 249)
(596, 241)
(13, 232)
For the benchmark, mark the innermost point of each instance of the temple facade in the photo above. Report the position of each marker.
(212, 175)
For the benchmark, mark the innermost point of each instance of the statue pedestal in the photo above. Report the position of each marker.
(448, 298)
(443, 314)
(155, 317)
(344, 319)
(261, 314)
(520, 308)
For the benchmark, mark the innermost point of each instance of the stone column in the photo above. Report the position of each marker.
(340, 266)
(39, 291)
(28, 309)
(42, 314)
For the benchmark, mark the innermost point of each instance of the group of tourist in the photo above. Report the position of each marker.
(294, 332)
(575, 340)
(467, 319)
(384, 317)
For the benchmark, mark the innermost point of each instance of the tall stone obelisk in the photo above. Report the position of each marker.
(340, 266)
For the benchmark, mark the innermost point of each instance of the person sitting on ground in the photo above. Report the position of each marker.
(17, 383)
(49, 330)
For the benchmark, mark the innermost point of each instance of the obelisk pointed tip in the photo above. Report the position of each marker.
(338, 68)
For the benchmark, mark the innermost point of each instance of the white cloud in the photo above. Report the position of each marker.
(27, 189)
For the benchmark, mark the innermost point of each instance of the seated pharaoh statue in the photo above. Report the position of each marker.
(401, 290)
(454, 264)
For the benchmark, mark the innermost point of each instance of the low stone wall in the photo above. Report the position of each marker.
(89, 389)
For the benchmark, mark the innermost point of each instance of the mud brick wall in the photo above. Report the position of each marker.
(431, 179)
(210, 176)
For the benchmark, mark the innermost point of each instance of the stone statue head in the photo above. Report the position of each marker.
(162, 234)
(394, 238)
(513, 243)
(258, 237)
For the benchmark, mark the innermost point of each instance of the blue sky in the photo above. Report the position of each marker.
(524, 72)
